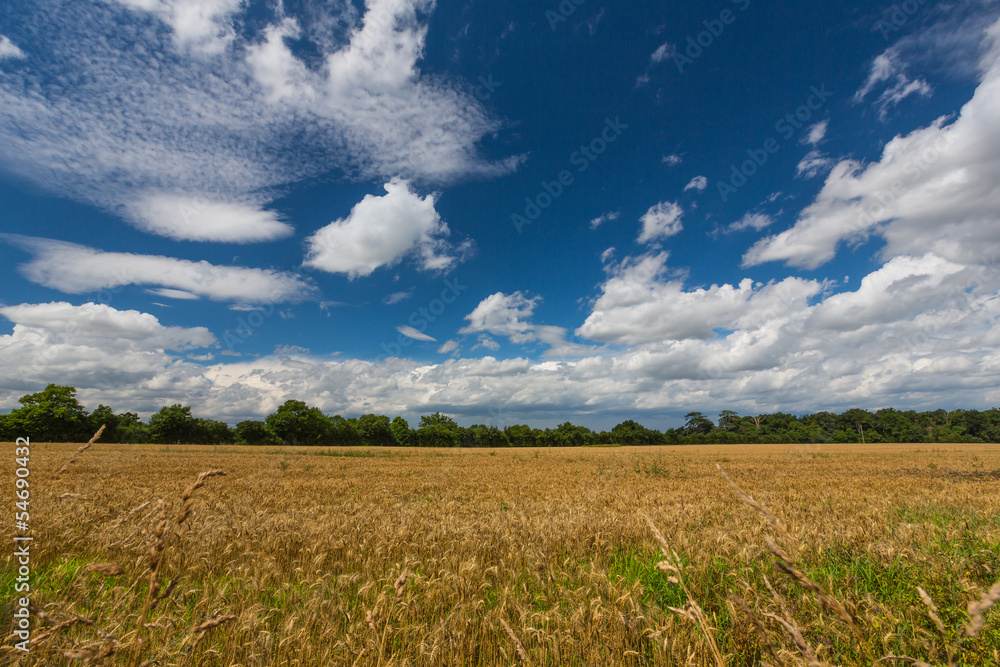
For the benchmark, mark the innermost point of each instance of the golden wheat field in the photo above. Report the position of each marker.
(838, 554)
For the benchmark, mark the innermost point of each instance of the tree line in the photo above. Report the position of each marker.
(55, 415)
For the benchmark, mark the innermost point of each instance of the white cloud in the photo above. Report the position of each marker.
(639, 305)
(9, 49)
(173, 294)
(77, 269)
(203, 25)
(397, 297)
(504, 315)
(755, 221)
(197, 219)
(606, 217)
(813, 164)
(672, 160)
(816, 133)
(882, 68)
(232, 126)
(914, 330)
(664, 52)
(380, 231)
(98, 347)
(698, 183)
(888, 67)
(661, 221)
(448, 347)
(509, 315)
(933, 190)
(415, 334)
(486, 342)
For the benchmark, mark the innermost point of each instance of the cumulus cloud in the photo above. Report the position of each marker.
(381, 230)
(228, 117)
(77, 269)
(698, 183)
(672, 160)
(504, 315)
(640, 304)
(912, 331)
(509, 315)
(96, 346)
(661, 221)
(932, 190)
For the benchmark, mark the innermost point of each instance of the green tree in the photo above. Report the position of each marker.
(212, 432)
(344, 432)
(400, 430)
(698, 423)
(253, 433)
(131, 429)
(173, 425)
(520, 435)
(51, 415)
(728, 420)
(630, 433)
(106, 416)
(295, 423)
(376, 430)
(437, 430)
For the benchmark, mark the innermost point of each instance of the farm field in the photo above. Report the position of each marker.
(401, 556)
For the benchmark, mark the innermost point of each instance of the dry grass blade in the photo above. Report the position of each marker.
(199, 482)
(106, 569)
(692, 610)
(517, 643)
(800, 642)
(214, 623)
(760, 629)
(761, 508)
(932, 609)
(786, 565)
(912, 661)
(979, 608)
(82, 449)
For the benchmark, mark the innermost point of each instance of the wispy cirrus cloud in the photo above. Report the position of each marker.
(228, 118)
(76, 269)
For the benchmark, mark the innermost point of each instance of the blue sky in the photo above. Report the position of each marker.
(508, 212)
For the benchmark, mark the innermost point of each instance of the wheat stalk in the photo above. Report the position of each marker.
(517, 643)
(82, 449)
